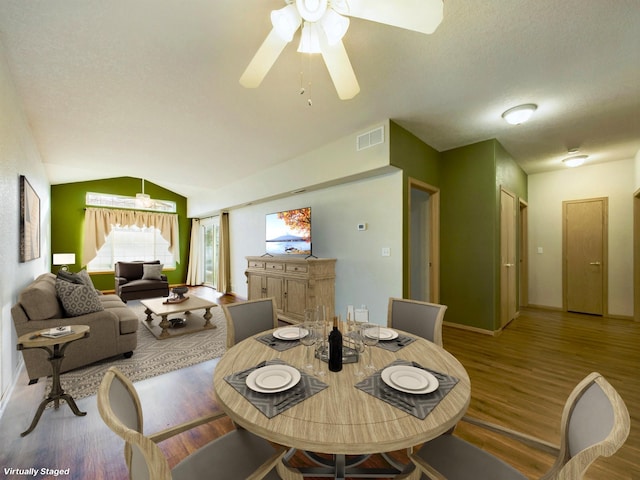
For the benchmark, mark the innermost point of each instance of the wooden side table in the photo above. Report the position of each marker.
(55, 347)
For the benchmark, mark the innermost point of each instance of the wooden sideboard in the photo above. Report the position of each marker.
(297, 283)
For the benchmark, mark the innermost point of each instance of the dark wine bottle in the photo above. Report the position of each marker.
(335, 348)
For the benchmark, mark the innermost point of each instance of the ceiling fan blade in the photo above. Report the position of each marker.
(263, 60)
(337, 61)
(422, 16)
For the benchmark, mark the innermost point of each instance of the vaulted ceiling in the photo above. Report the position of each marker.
(150, 89)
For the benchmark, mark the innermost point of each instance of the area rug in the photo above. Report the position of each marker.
(151, 357)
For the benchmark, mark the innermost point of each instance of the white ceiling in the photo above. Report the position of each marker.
(149, 88)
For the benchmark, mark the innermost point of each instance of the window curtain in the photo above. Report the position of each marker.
(224, 262)
(195, 271)
(98, 223)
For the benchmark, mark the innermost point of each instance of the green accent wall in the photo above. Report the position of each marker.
(469, 179)
(67, 221)
(419, 161)
(472, 177)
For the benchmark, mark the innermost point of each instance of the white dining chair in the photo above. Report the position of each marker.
(419, 318)
(595, 422)
(237, 454)
(245, 319)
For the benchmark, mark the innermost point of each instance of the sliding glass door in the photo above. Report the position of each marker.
(210, 232)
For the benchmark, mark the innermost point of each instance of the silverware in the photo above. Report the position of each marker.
(396, 398)
(288, 400)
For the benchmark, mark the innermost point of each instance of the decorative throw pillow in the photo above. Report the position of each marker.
(152, 271)
(83, 275)
(68, 276)
(77, 299)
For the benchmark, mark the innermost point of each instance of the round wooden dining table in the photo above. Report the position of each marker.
(342, 419)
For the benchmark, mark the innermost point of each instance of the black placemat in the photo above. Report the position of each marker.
(276, 343)
(397, 343)
(418, 405)
(272, 404)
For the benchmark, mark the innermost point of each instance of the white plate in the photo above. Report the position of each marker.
(387, 334)
(287, 333)
(409, 379)
(273, 378)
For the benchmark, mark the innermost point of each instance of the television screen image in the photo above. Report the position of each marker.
(289, 232)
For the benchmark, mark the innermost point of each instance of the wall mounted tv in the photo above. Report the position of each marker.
(289, 232)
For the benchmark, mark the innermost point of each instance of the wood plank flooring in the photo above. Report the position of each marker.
(520, 379)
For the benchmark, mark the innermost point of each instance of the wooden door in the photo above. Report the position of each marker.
(256, 288)
(508, 267)
(296, 298)
(585, 263)
(275, 289)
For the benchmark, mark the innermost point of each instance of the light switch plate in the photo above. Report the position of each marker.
(386, 252)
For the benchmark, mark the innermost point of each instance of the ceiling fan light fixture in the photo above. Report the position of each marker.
(286, 21)
(309, 41)
(334, 25)
(519, 114)
(575, 161)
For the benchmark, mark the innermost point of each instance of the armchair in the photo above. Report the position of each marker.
(137, 280)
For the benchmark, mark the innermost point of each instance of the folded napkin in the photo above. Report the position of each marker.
(397, 343)
(272, 404)
(276, 343)
(418, 405)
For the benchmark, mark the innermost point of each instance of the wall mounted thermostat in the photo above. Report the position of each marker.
(362, 226)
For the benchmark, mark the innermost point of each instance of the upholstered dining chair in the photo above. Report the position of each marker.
(595, 422)
(419, 318)
(245, 319)
(237, 454)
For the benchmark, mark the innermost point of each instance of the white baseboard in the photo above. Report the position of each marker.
(5, 399)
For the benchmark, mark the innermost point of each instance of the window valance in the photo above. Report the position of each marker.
(98, 223)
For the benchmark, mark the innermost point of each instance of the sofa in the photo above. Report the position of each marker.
(139, 280)
(50, 301)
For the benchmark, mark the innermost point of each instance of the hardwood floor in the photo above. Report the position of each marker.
(519, 379)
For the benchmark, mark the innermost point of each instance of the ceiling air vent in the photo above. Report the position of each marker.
(369, 139)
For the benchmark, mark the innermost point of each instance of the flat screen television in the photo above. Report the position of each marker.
(289, 232)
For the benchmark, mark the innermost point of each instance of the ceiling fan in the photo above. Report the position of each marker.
(324, 24)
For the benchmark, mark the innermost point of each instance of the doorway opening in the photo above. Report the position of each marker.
(424, 242)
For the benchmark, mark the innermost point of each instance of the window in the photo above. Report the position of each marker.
(140, 202)
(210, 244)
(130, 244)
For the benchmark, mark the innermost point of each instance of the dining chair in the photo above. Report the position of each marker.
(237, 454)
(595, 422)
(419, 318)
(245, 319)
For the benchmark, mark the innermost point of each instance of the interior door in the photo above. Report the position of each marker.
(508, 269)
(585, 239)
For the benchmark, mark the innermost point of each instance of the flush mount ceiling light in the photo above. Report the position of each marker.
(324, 24)
(519, 114)
(575, 161)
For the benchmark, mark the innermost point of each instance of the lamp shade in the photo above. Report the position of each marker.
(519, 114)
(64, 258)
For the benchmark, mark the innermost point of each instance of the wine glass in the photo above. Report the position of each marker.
(319, 333)
(357, 336)
(370, 336)
(307, 338)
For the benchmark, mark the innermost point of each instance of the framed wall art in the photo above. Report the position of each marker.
(29, 221)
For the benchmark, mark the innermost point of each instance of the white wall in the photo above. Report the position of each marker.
(18, 156)
(330, 164)
(363, 276)
(547, 191)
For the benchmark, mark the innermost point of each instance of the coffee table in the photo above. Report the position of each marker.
(158, 306)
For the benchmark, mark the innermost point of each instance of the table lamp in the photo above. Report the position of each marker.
(64, 260)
